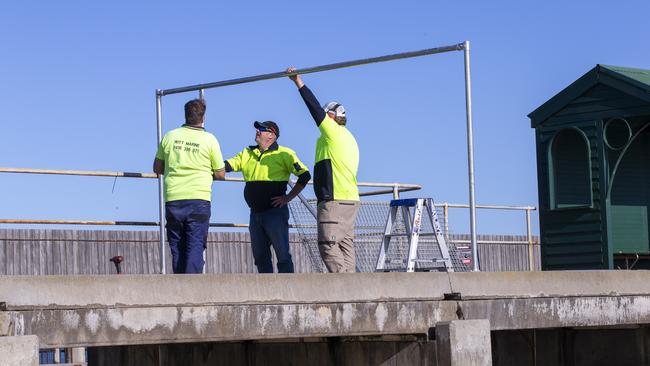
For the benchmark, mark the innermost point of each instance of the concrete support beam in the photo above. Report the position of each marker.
(463, 343)
(19, 351)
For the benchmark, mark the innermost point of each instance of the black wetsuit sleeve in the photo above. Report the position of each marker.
(304, 178)
(317, 113)
(228, 166)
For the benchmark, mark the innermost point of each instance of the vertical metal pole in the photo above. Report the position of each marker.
(529, 236)
(205, 251)
(470, 157)
(161, 198)
(395, 192)
(445, 210)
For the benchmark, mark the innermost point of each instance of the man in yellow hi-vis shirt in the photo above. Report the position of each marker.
(266, 168)
(335, 181)
(190, 158)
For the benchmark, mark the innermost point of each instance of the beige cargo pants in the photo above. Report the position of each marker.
(336, 234)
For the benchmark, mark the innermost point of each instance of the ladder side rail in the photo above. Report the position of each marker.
(442, 243)
(406, 217)
(415, 233)
(383, 250)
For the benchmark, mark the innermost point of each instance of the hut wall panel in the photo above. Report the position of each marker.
(565, 229)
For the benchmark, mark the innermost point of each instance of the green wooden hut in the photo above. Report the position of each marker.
(593, 171)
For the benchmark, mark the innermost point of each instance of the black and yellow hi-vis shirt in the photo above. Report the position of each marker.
(337, 156)
(267, 173)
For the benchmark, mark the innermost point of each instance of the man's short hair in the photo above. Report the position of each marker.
(194, 112)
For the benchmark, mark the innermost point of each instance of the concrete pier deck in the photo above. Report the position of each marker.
(88, 311)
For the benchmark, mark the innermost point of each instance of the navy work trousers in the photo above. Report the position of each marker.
(271, 228)
(187, 233)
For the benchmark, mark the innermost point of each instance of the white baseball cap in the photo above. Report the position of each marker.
(335, 107)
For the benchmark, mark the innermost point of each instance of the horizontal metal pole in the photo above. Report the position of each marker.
(402, 186)
(388, 191)
(89, 173)
(104, 223)
(489, 207)
(492, 242)
(309, 70)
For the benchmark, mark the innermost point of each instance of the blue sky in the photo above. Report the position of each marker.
(78, 80)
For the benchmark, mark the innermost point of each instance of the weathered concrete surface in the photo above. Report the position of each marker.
(463, 343)
(550, 284)
(118, 326)
(22, 292)
(555, 312)
(6, 326)
(117, 310)
(25, 292)
(19, 351)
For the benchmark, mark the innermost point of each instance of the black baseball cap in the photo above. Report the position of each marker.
(269, 125)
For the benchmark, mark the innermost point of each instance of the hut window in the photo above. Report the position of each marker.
(570, 170)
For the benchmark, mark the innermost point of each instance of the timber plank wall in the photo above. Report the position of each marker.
(72, 252)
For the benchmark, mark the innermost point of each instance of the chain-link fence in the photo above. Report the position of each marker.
(369, 234)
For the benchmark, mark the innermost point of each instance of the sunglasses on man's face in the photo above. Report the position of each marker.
(264, 129)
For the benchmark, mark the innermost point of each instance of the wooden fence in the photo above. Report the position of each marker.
(71, 252)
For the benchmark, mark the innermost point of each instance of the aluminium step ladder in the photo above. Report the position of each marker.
(422, 207)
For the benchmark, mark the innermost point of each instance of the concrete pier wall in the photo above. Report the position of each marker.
(98, 311)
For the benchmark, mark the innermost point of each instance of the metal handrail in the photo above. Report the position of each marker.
(395, 189)
(401, 187)
(529, 232)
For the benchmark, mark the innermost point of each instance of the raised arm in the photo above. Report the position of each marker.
(317, 113)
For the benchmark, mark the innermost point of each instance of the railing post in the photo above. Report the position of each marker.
(445, 211)
(470, 159)
(161, 198)
(529, 235)
(205, 251)
(395, 191)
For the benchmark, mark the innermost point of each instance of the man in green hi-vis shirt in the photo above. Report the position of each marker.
(190, 158)
(335, 181)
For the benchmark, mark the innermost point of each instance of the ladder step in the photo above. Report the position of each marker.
(404, 234)
(395, 261)
(410, 202)
(429, 260)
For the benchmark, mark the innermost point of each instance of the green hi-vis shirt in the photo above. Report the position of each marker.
(267, 173)
(191, 156)
(337, 163)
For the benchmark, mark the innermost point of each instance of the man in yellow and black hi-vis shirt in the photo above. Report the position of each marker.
(190, 158)
(266, 168)
(335, 181)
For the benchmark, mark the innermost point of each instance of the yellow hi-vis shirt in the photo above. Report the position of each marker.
(337, 163)
(191, 156)
(267, 173)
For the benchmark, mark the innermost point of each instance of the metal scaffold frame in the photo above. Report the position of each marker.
(465, 47)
